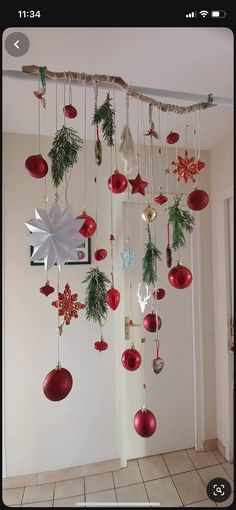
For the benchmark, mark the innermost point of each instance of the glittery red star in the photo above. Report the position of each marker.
(67, 304)
(187, 168)
(138, 185)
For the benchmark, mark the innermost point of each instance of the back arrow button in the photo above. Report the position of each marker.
(16, 44)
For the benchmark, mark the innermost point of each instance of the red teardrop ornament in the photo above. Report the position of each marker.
(145, 423)
(131, 359)
(89, 226)
(57, 384)
(46, 289)
(159, 294)
(70, 111)
(150, 323)
(113, 298)
(36, 166)
(197, 200)
(101, 345)
(100, 254)
(117, 183)
(180, 277)
(172, 137)
(161, 199)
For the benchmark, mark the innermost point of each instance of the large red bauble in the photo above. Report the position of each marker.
(150, 322)
(197, 200)
(180, 277)
(57, 384)
(70, 111)
(113, 298)
(159, 293)
(172, 137)
(131, 359)
(46, 289)
(117, 182)
(89, 226)
(100, 345)
(145, 423)
(36, 166)
(100, 254)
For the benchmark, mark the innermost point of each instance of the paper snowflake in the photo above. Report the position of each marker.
(186, 167)
(128, 258)
(55, 236)
(67, 304)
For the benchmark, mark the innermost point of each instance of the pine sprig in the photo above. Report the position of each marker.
(64, 152)
(149, 261)
(95, 295)
(105, 115)
(182, 221)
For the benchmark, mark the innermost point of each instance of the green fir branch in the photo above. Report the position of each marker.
(64, 152)
(182, 221)
(105, 115)
(95, 295)
(149, 261)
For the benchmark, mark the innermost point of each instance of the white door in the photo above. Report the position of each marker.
(231, 355)
(169, 394)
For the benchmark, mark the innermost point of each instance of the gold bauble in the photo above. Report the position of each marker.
(149, 214)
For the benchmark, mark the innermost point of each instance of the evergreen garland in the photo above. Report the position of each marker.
(106, 115)
(64, 152)
(181, 221)
(149, 261)
(95, 295)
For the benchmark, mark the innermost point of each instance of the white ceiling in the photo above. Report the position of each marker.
(195, 60)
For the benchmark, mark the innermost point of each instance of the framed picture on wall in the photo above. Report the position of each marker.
(83, 250)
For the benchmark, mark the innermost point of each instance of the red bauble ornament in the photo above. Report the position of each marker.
(89, 226)
(197, 200)
(113, 298)
(172, 137)
(101, 345)
(36, 166)
(180, 277)
(57, 383)
(138, 185)
(46, 289)
(117, 183)
(150, 322)
(161, 199)
(145, 422)
(100, 254)
(131, 359)
(70, 111)
(159, 294)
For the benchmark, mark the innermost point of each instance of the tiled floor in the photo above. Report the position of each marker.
(174, 479)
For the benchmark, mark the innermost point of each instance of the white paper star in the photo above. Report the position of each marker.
(128, 258)
(55, 236)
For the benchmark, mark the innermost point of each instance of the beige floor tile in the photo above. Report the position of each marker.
(220, 457)
(178, 462)
(228, 502)
(203, 504)
(19, 481)
(38, 493)
(65, 502)
(59, 475)
(229, 468)
(40, 504)
(209, 473)
(12, 496)
(164, 492)
(100, 467)
(69, 488)
(202, 459)
(153, 467)
(128, 475)
(101, 497)
(132, 494)
(95, 483)
(190, 487)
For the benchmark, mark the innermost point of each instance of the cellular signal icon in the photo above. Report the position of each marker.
(191, 14)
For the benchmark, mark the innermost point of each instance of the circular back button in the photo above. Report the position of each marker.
(17, 44)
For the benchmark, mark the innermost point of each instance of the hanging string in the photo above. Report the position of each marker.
(95, 173)
(59, 328)
(64, 97)
(144, 142)
(39, 126)
(195, 144)
(115, 140)
(85, 140)
(138, 134)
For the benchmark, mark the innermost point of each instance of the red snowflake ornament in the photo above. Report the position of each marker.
(67, 304)
(186, 167)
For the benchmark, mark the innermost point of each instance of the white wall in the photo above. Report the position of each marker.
(87, 426)
(221, 188)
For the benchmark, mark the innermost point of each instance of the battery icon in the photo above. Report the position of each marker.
(218, 14)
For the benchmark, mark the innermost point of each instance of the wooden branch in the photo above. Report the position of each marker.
(92, 79)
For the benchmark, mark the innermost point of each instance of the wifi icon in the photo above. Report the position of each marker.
(204, 13)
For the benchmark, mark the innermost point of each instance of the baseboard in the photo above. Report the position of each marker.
(220, 447)
(209, 444)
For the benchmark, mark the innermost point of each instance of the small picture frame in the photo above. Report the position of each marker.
(83, 250)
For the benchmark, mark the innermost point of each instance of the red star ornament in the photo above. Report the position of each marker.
(138, 185)
(186, 168)
(67, 304)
